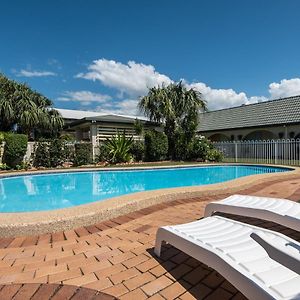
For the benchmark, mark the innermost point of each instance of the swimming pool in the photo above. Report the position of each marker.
(61, 190)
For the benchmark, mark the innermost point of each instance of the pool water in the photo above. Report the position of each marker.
(61, 190)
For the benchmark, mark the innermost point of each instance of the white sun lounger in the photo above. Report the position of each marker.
(280, 211)
(228, 247)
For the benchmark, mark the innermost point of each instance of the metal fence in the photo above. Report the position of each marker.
(285, 152)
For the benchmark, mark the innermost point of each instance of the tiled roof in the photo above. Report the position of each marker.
(275, 112)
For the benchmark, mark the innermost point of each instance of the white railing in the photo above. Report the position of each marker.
(285, 152)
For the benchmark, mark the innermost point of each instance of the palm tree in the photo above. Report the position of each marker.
(7, 93)
(20, 105)
(26, 110)
(177, 108)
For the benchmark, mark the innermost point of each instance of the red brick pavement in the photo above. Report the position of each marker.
(116, 256)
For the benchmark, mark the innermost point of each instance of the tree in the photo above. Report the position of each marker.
(177, 108)
(7, 99)
(28, 109)
(138, 127)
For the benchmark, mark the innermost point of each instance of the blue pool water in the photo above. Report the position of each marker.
(60, 190)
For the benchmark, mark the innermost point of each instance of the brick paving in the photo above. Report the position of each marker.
(37, 291)
(116, 257)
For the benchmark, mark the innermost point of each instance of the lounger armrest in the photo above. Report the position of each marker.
(287, 255)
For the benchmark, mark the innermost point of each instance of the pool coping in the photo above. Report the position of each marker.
(41, 222)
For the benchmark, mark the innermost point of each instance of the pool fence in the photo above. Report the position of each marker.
(278, 152)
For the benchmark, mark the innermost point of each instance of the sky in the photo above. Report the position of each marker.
(104, 55)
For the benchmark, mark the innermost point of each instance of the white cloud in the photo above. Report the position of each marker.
(219, 98)
(132, 78)
(84, 97)
(29, 73)
(223, 98)
(122, 107)
(285, 88)
(256, 99)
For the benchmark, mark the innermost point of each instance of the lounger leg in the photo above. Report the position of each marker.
(209, 209)
(159, 241)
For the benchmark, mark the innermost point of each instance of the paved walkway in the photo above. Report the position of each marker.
(38, 291)
(116, 257)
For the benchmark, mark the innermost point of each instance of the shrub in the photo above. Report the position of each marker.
(42, 155)
(3, 167)
(67, 137)
(202, 149)
(56, 153)
(119, 148)
(23, 166)
(68, 152)
(2, 137)
(156, 146)
(180, 147)
(137, 150)
(214, 155)
(15, 148)
(52, 153)
(198, 149)
(83, 154)
(103, 153)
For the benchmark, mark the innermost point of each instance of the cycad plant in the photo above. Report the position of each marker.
(119, 148)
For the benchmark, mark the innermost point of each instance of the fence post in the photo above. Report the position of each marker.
(1, 151)
(235, 151)
(276, 152)
(93, 137)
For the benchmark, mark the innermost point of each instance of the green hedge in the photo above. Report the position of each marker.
(56, 152)
(202, 149)
(42, 155)
(2, 137)
(52, 153)
(198, 149)
(15, 148)
(103, 153)
(215, 155)
(137, 150)
(83, 154)
(156, 146)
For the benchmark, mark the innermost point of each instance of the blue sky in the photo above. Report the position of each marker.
(103, 55)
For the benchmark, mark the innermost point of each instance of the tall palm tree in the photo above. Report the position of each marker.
(177, 108)
(20, 105)
(26, 110)
(7, 93)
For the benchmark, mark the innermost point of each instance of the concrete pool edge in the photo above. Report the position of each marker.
(35, 223)
(6, 174)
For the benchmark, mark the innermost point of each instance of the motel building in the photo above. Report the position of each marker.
(96, 127)
(270, 120)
